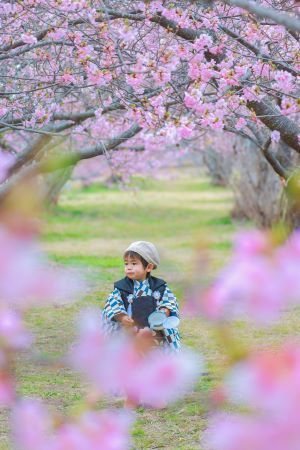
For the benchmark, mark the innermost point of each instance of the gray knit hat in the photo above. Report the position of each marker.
(147, 250)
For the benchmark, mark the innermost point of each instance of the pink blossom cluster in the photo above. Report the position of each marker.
(259, 282)
(38, 282)
(137, 61)
(13, 335)
(284, 81)
(13, 338)
(26, 279)
(288, 106)
(28, 38)
(267, 384)
(203, 41)
(116, 367)
(34, 428)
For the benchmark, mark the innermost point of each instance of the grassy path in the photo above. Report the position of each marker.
(89, 230)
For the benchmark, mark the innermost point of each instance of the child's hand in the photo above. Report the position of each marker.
(127, 321)
(145, 340)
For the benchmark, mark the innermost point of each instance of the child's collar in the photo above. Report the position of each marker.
(139, 283)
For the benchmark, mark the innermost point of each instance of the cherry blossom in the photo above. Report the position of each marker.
(116, 367)
(233, 432)
(267, 380)
(21, 259)
(190, 60)
(12, 331)
(258, 283)
(92, 430)
(284, 81)
(28, 38)
(267, 384)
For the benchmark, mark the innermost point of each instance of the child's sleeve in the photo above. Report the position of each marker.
(169, 301)
(114, 305)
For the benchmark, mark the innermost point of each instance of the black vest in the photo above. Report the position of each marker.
(143, 306)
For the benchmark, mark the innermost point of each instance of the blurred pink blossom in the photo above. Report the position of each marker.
(193, 98)
(234, 432)
(266, 384)
(97, 76)
(161, 76)
(204, 40)
(259, 281)
(6, 161)
(284, 81)
(67, 78)
(37, 281)
(59, 33)
(135, 80)
(115, 367)
(33, 429)
(186, 130)
(28, 38)
(31, 424)
(237, 432)
(127, 34)
(289, 106)
(268, 380)
(13, 334)
(107, 430)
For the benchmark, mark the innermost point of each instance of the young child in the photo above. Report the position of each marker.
(139, 294)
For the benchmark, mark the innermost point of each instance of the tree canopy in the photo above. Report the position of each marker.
(144, 75)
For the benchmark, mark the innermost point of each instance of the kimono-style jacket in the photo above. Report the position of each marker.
(154, 293)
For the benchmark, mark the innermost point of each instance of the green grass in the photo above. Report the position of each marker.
(89, 231)
(90, 261)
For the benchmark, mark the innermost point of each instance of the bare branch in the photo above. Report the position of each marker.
(30, 47)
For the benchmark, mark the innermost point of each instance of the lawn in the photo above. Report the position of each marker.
(89, 230)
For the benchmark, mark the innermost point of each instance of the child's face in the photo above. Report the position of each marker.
(135, 270)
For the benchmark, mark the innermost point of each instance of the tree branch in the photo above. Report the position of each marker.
(257, 52)
(49, 164)
(57, 162)
(279, 17)
(274, 120)
(277, 167)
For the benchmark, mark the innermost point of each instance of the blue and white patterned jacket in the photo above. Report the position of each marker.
(115, 305)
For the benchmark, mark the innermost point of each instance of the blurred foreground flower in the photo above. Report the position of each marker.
(34, 428)
(268, 380)
(6, 161)
(13, 335)
(26, 277)
(235, 432)
(261, 279)
(117, 366)
(267, 384)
